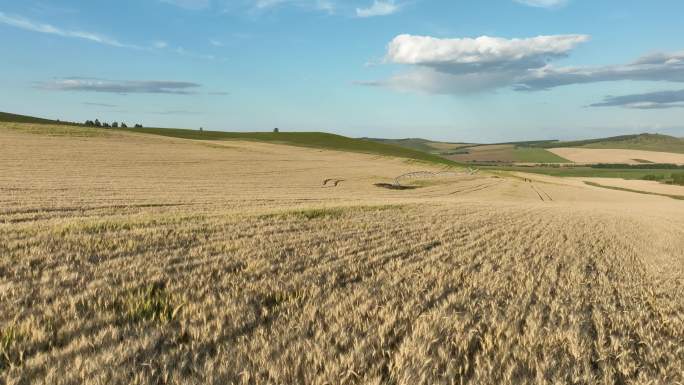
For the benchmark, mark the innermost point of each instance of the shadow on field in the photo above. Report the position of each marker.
(391, 186)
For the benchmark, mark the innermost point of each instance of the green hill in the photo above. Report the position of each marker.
(303, 139)
(15, 118)
(424, 145)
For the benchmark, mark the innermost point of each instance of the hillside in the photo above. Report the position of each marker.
(303, 139)
(136, 259)
(419, 144)
(16, 118)
(646, 142)
(508, 152)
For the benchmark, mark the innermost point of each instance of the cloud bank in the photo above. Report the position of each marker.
(120, 87)
(454, 66)
(646, 101)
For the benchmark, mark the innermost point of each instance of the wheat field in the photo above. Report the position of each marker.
(133, 259)
(609, 155)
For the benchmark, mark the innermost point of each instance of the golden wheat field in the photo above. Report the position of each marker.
(133, 259)
(608, 155)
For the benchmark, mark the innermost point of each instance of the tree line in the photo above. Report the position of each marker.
(97, 123)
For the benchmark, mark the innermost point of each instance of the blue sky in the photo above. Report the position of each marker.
(491, 70)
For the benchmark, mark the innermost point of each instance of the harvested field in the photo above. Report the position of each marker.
(591, 155)
(646, 186)
(134, 259)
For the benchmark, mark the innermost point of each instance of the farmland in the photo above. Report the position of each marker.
(139, 258)
(594, 155)
(504, 153)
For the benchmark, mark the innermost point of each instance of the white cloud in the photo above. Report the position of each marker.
(470, 64)
(472, 55)
(543, 3)
(453, 66)
(29, 25)
(378, 8)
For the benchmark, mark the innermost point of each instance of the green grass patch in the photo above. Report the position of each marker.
(678, 179)
(536, 155)
(678, 197)
(654, 177)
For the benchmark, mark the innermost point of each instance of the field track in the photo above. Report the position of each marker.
(132, 259)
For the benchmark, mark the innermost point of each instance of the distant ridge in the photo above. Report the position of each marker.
(647, 142)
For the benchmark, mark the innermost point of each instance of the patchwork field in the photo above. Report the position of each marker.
(591, 155)
(506, 153)
(128, 258)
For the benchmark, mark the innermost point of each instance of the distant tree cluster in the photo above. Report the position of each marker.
(97, 123)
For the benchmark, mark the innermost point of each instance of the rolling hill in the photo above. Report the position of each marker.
(644, 146)
(509, 152)
(302, 139)
(645, 142)
(16, 118)
(425, 145)
(321, 140)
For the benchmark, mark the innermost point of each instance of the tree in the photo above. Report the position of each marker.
(97, 123)
(138, 126)
(276, 130)
(106, 125)
(115, 125)
(89, 123)
(123, 125)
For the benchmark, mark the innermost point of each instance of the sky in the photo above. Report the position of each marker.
(453, 70)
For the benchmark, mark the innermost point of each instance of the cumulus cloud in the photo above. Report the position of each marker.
(646, 101)
(120, 86)
(453, 66)
(30, 25)
(378, 8)
(471, 64)
(480, 54)
(543, 3)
